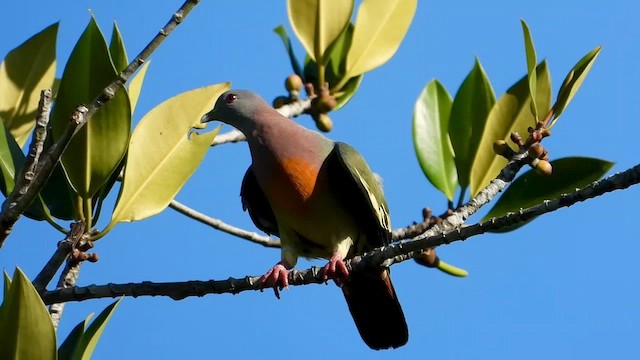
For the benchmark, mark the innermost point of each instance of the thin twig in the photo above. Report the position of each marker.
(18, 203)
(26, 174)
(385, 256)
(290, 110)
(222, 226)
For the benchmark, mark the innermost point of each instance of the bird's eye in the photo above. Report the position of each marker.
(231, 98)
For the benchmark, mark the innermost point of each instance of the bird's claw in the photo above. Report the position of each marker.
(277, 277)
(336, 270)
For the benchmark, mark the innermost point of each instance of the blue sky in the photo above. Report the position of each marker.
(565, 286)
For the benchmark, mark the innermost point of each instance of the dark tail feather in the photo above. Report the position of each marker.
(375, 309)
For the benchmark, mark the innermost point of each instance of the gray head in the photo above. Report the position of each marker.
(237, 108)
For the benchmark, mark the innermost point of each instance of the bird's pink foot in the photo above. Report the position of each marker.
(335, 269)
(277, 277)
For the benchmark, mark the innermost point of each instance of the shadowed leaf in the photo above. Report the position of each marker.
(87, 343)
(531, 189)
(530, 51)
(469, 113)
(295, 65)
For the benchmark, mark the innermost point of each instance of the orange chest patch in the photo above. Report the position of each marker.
(292, 184)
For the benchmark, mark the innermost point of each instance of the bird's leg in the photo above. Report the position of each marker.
(336, 269)
(277, 277)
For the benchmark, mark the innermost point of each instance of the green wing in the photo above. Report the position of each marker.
(359, 191)
(254, 200)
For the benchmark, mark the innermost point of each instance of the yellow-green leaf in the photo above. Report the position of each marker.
(431, 137)
(135, 85)
(379, 29)
(7, 284)
(97, 148)
(530, 52)
(572, 82)
(161, 156)
(317, 23)
(27, 70)
(68, 346)
(510, 114)
(469, 112)
(532, 189)
(26, 331)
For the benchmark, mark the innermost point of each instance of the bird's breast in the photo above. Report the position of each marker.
(292, 184)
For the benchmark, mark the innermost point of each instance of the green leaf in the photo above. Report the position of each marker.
(98, 200)
(338, 53)
(530, 51)
(431, 137)
(26, 331)
(25, 71)
(379, 29)
(469, 112)
(135, 85)
(532, 189)
(89, 340)
(12, 160)
(317, 23)
(510, 114)
(161, 156)
(117, 50)
(67, 349)
(58, 195)
(295, 65)
(572, 82)
(7, 284)
(97, 148)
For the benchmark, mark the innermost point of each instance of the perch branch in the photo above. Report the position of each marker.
(220, 225)
(384, 256)
(18, 203)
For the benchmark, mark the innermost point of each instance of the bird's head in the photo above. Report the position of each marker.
(237, 108)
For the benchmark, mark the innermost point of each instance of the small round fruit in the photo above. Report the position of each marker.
(324, 123)
(544, 167)
(293, 83)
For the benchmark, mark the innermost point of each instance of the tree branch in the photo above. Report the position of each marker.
(25, 176)
(254, 237)
(16, 203)
(385, 256)
(68, 279)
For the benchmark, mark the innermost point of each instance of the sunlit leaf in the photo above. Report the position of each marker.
(26, 71)
(97, 148)
(510, 114)
(317, 23)
(67, 349)
(531, 189)
(469, 112)
(295, 65)
(348, 90)
(379, 29)
(161, 156)
(572, 82)
(431, 137)
(26, 331)
(89, 340)
(135, 85)
(117, 50)
(530, 51)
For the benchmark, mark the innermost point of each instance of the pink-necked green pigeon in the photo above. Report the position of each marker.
(323, 201)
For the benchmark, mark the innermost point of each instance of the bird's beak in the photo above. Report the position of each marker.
(210, 116)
